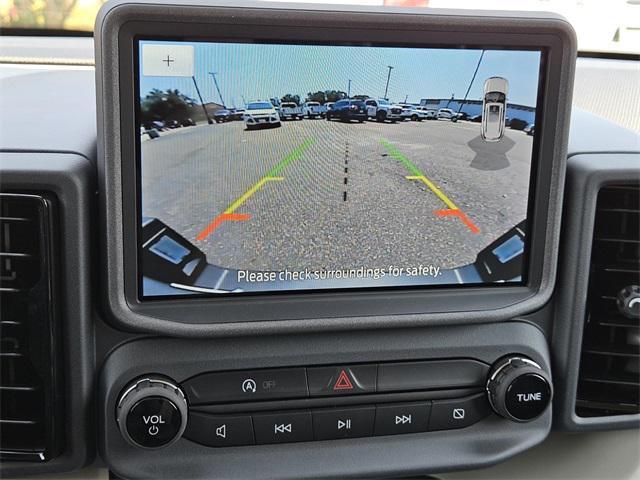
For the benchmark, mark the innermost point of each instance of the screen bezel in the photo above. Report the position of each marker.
(351, 308)
(257, 41)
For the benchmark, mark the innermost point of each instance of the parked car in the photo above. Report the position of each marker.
(428, 113)
(518, 124)
(260, 114)
(417, 113)
(530, 129)
(290, 110)
(347, 110)
(313, 110)
(237, 113)
(222, 115)
(494, 109)
(476, 118)
(173, 124)
(188, 122)
(157, 125)
(383, 110)
(328, 106)
(151, 132)
(447, 114)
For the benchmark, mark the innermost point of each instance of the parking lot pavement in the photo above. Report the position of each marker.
(316, 194)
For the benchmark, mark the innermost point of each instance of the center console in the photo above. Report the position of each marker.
(326, 265)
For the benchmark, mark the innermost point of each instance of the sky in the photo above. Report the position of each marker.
(260, 71)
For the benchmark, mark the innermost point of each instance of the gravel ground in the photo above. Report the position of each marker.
(191, 175)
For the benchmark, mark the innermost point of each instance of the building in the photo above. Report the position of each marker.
(474, 107)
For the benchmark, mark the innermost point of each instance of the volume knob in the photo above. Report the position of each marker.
(519, 389)
(152, 413)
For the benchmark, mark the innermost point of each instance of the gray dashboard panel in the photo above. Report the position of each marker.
(490, 441)
(50, 111)
(198, 317)
(587, 173)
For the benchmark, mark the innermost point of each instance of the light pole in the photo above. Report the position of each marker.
(386, 88)
(215, 81)
(349, 89)
(206, 114)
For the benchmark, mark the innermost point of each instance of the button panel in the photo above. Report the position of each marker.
(335, 380)
(335, 423)
(303, 420)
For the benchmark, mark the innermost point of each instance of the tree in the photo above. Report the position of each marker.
(167, 105)
(335, 95)
(36, 13)
(289, 98)
(319, 97)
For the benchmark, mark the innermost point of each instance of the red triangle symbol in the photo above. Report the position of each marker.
(343, 382)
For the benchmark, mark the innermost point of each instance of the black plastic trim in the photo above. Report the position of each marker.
(71, 180)
(587, 173)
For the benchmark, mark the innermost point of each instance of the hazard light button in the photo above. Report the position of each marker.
(342, 380)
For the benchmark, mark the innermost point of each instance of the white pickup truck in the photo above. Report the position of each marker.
(313, 110)
(383, 110)
(290, 110)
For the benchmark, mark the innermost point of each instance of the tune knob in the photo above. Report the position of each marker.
(152, 413)
(519, 389)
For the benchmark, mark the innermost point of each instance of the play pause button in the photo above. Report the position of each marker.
(330, 424)
(402, 418)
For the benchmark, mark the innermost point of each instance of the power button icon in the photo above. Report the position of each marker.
(153, 422)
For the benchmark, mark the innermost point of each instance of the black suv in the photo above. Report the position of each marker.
(347, 110)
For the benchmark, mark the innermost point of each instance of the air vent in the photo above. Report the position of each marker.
(609, 381)
(30, 416)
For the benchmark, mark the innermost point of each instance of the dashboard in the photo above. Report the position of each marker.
(350, 284)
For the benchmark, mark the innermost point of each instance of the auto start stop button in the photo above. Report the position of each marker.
(153, 422)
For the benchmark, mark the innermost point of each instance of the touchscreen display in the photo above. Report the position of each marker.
(280, 167)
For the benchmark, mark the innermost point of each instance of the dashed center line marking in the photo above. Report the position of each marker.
(346, 170)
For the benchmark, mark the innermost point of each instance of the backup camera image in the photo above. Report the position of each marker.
(275, 167)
